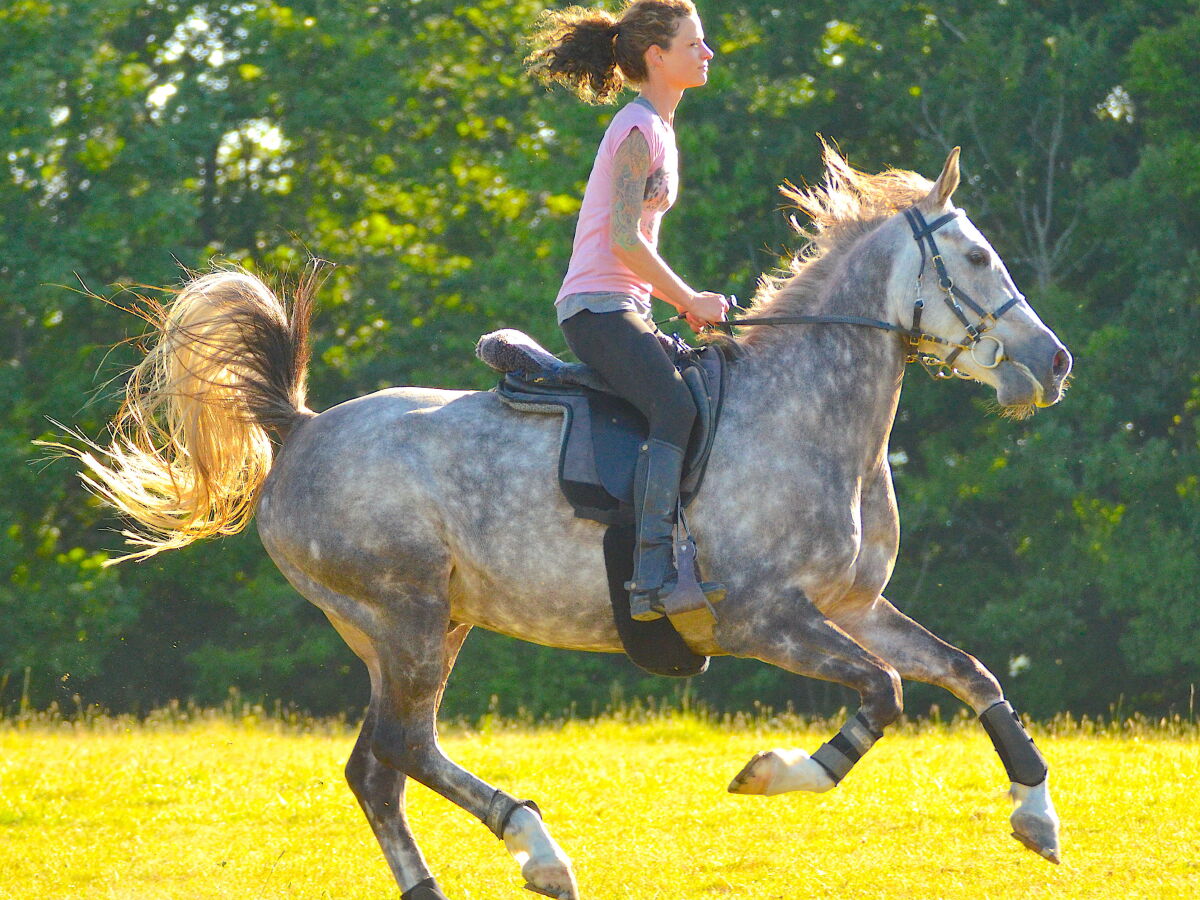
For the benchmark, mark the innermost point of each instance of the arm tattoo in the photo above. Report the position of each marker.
(631, 166)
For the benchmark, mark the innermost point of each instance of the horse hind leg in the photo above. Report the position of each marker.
(413, 665)
(380, 789)
(380, 792)
(409, 647)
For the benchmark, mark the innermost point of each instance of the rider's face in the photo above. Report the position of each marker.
(684, 64)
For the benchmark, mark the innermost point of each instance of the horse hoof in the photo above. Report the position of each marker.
(1034, 821)
(756, 775)
(546, 869)
(551, 879)
(557, 884)
(1050, 854)
(426, 890)
(778, 771)
(561, 896)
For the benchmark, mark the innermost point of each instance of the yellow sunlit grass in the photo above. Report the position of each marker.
(246, 806)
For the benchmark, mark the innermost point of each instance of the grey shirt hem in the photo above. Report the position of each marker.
(601, 302)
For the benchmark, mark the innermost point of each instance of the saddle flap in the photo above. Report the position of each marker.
(617, 430)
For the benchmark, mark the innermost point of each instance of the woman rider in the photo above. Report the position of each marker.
(604, 304)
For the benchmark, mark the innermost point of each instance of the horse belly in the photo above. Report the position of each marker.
(541, 580)
(388, 489)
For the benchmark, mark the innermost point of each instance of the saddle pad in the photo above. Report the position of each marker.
(579, 475)
(602, 433)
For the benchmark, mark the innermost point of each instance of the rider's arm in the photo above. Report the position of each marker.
(631, 168)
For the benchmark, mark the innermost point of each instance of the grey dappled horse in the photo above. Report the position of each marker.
(411, 515)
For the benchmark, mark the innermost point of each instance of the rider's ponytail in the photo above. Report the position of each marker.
(595, 53)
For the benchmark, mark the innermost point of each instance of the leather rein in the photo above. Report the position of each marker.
(954, 297)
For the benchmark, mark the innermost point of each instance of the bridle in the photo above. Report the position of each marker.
(952, 294)
(954, 297)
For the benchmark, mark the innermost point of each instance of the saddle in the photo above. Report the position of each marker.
(598, 450)
(601, 432)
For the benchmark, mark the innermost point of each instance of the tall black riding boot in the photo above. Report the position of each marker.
(655, 501)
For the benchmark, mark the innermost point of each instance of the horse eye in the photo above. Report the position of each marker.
(977, 257)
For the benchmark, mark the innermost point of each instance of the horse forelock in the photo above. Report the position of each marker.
(844, 207)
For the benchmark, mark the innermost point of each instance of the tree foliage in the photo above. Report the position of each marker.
(402, 141)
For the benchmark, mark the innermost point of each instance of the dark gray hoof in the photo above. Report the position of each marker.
(425, 890)
(561, 894)
(1047, 852)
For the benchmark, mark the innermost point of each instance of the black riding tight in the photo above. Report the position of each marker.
(623, 349)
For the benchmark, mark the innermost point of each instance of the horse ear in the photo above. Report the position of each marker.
(946, 183)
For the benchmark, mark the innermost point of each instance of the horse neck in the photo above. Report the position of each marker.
(842, 379)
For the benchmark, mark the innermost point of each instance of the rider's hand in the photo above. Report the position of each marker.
(705, 308)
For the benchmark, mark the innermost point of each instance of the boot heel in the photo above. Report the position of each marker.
(643, 608)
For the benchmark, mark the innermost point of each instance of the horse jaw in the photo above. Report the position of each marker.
(1017, 391)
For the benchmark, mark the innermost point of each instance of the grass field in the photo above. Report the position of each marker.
(215, 805)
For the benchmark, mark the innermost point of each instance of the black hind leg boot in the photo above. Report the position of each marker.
(655, 501)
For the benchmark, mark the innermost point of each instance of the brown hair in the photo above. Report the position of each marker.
(594, 53)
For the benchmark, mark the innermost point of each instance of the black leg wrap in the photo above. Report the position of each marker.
(844, 749)
(425, 890)
(501, 809)
(1022, 760)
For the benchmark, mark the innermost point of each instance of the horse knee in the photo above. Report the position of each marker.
(981, 686)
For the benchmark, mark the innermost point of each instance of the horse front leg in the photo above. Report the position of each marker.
(801, 640)
(920, 655)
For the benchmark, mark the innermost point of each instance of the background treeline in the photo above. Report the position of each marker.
(402, 141)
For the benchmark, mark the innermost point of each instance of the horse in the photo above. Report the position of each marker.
(412, 515)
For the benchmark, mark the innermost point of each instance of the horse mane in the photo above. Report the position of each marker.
(846, 205)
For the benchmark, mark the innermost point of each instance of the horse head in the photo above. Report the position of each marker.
(967, 316)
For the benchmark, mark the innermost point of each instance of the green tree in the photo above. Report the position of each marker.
(402, 142)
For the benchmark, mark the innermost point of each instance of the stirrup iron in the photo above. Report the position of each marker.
(687, 593)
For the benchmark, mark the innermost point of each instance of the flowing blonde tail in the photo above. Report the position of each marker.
(189, 446)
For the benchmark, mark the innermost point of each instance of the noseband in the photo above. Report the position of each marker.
(913, 336)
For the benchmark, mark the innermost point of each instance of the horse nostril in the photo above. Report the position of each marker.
(1061, 364)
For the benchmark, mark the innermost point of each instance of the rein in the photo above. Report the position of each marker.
(913, 336)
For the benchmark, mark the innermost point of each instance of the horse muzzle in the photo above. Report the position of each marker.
(1036, 376)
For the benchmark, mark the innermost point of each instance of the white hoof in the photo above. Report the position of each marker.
(779, 771)
(546, 869)
(1034, 821)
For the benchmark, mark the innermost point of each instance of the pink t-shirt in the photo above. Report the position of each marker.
(594, 269)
